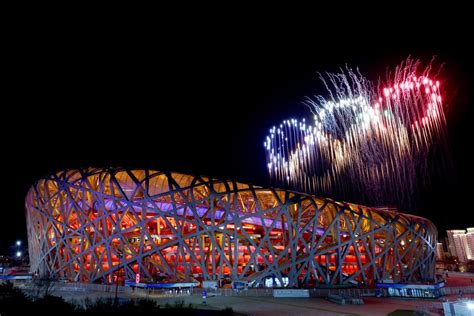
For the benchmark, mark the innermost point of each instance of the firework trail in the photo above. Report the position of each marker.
(372, 142)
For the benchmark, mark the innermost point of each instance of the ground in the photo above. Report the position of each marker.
(263, 306)
(269, 306)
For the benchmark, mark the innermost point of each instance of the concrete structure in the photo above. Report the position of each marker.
(98, 225)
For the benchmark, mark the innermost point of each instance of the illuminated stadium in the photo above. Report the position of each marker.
(99, 225)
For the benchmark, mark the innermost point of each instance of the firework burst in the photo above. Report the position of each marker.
(367, 141)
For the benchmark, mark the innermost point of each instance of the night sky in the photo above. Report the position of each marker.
(194, 102)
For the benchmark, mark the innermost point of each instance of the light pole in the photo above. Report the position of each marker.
(18, 249)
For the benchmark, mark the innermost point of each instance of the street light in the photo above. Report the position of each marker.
(18, 249)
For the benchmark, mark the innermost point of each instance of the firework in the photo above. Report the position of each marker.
(367, 141)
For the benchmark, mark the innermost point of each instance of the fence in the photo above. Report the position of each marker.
(86, 287)
(73, 287)
(269, 292)
(456, 290)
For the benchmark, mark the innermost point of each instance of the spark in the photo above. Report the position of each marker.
(365, 140)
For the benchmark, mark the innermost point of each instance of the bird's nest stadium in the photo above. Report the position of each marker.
(99, 225)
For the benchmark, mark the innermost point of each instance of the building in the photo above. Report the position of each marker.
(440, 252)
(470, 243)
(451, 247)
(99, 225)
(461, 244)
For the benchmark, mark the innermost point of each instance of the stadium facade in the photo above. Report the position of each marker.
(99, 225)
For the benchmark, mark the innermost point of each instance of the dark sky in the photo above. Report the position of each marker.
(194, 102)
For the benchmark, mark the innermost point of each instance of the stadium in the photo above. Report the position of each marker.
(97, 225)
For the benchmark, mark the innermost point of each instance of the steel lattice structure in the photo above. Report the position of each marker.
(93, 225)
